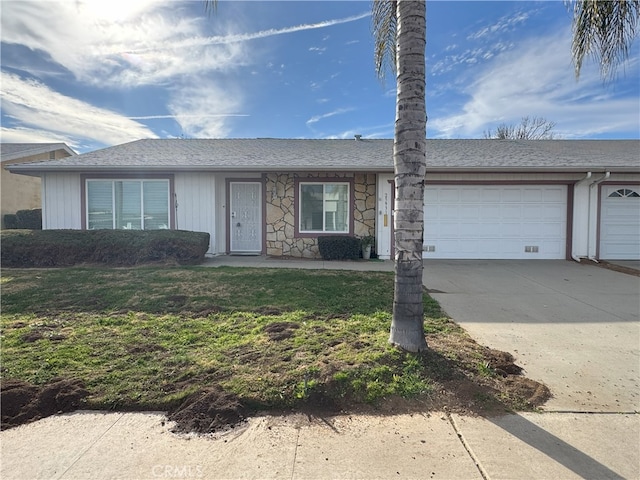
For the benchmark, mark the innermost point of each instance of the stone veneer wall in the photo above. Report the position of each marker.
(280, 235)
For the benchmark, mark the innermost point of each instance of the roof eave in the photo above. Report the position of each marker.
(31, 169)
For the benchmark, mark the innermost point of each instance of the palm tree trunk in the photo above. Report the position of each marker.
(409, 156)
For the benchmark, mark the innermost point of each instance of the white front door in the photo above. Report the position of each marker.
(245, 217)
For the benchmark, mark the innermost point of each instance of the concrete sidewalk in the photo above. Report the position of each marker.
(584, 315)
(94, 445)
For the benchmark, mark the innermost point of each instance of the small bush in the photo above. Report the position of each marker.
(339, 247)
(29, 219)
(57, 248)
(11, 221)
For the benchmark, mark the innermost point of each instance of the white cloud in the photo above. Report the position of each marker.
(536, 79)
(502, 25)
(30, 135)
(317, 118)
(33, 104)
(134, 42)
(72, 34)
(202, 109)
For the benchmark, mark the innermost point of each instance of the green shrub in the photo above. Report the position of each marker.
(29, 219)
(10, 221)
(56, 248)
(339, 247)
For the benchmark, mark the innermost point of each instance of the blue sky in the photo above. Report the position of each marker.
(98, 73)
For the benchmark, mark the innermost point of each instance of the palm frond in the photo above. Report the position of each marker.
(605, 30)
(210, 6)
(384, 26)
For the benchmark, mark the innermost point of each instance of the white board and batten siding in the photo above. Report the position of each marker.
(61, 206)
(196, 211)
(620, 222)
(495, 222)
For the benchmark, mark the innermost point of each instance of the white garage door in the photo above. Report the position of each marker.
(495, 222)
(620, 223)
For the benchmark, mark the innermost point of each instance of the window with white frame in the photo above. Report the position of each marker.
(323, 207)
(127, 204)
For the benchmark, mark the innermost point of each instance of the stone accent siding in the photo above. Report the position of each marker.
(280, 217)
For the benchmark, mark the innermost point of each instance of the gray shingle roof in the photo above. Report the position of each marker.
(12, 151)
(357, 155)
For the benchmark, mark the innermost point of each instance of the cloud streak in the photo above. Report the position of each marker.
(244, 37)
(37, 106)
(163, 117)
(317, 118)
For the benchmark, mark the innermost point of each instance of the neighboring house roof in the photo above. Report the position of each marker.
(269, 154)
(14, 151)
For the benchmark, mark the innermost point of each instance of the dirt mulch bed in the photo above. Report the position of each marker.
(208, 411)
(616, 268)
(22, 402)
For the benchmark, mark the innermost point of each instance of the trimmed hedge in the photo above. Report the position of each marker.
(24, 219)
(60, 248)
(339, 247)
(11, 221)
(30, 219)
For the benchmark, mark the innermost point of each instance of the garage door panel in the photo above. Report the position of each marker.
(469, 212)
(449, 230)
(448, 211)
(623, 231)
(449, 195)
(554, 195)
(511, 212)
(554, 212)
(531, 195)
(495, 222)
(553, 230)
(490, 195)
(473, 195)
(431, 195)
(511, 195)
(531, 230)
(554, 247)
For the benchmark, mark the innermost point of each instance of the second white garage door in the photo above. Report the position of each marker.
(495, 221)
(620, 223)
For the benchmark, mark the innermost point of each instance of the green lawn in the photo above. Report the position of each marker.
(145, 338)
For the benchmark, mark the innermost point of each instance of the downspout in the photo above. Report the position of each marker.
(573, 253)
(591, 190)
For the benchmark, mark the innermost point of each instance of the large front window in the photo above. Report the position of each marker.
(128, 204)
(324, 207)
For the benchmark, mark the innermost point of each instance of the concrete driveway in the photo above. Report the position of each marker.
(573, 327)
